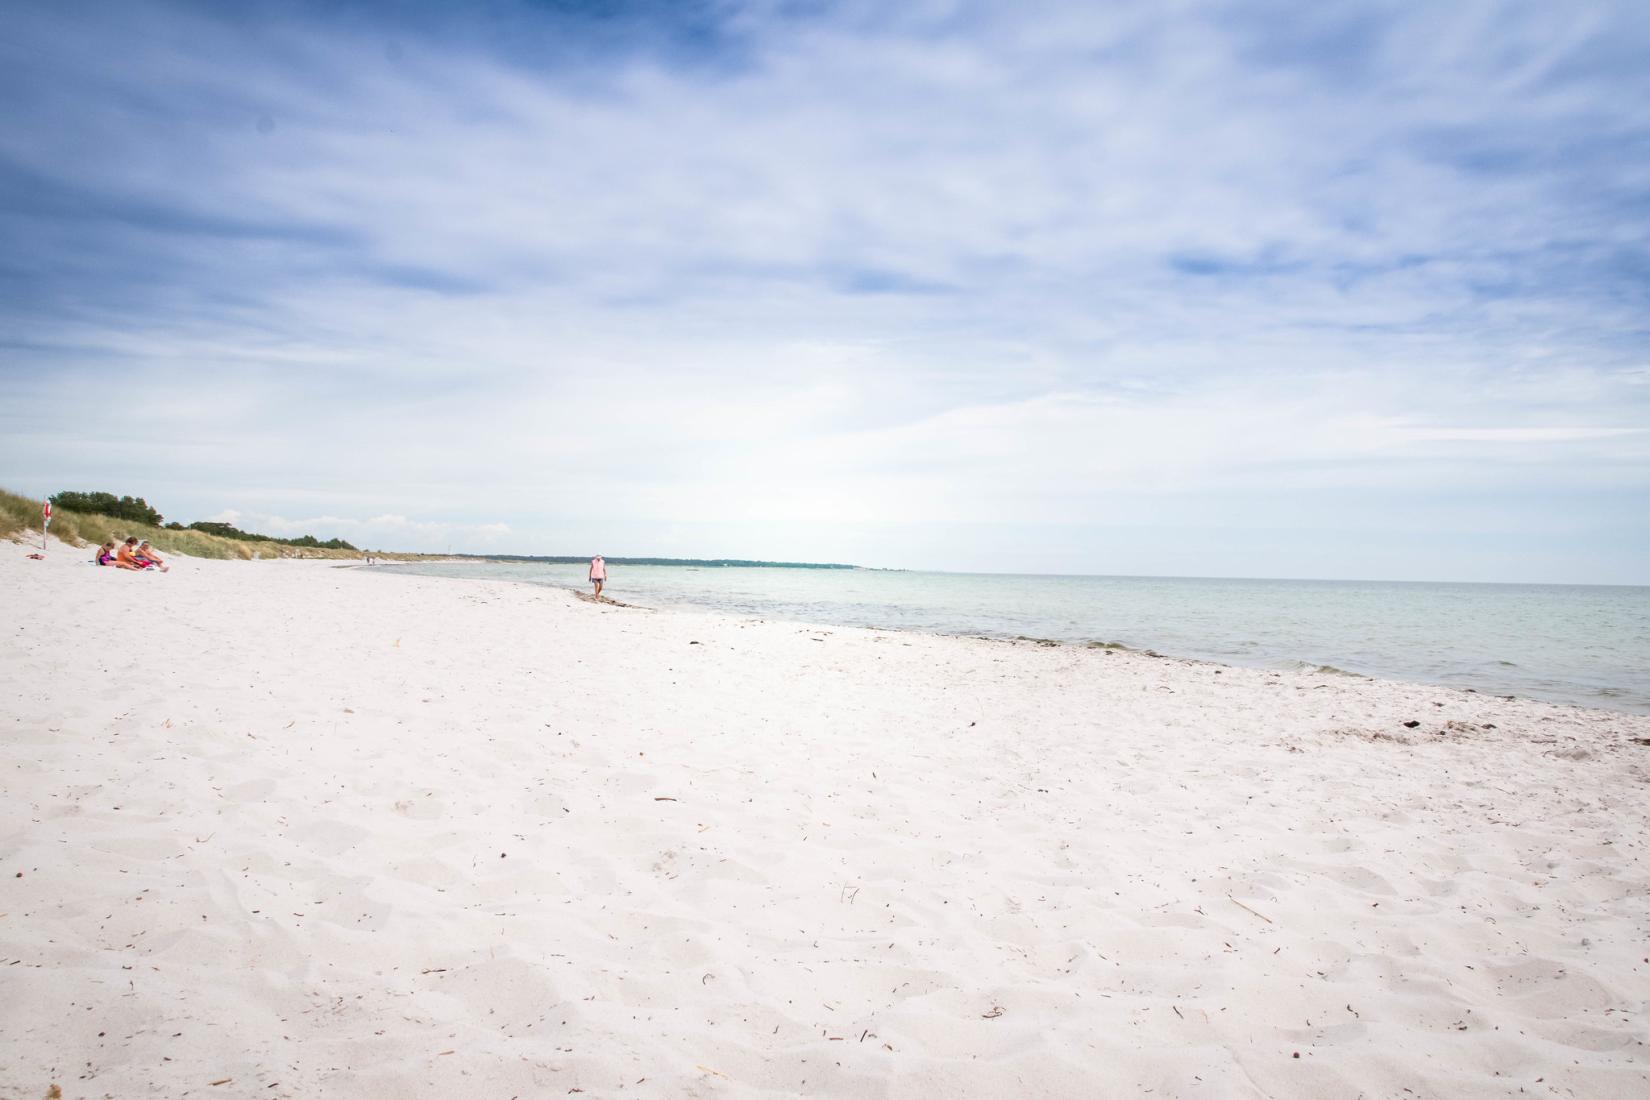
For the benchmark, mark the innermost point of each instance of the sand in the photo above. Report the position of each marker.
(287, 829)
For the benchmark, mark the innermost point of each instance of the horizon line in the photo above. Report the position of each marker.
(658, 561)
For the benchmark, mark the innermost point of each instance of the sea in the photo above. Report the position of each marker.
(1579, 644)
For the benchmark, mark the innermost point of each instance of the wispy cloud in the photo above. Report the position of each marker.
(798, 282)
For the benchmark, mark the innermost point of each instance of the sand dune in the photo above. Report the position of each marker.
(288, 829)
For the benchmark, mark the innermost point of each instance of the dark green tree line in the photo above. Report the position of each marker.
(135, 509)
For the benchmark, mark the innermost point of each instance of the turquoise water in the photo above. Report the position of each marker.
(1565, 643)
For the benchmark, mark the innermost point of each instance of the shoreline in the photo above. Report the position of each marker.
(321, 836)
(1568, 698)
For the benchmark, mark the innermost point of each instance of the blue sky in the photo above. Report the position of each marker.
(1260, 289)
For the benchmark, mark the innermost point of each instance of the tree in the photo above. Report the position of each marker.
(135, 509)
(224, 530)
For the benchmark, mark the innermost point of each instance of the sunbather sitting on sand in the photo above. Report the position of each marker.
(144, 553)
(126, 557)
(108, 555)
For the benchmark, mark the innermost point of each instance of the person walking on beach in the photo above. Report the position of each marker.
(598, 574)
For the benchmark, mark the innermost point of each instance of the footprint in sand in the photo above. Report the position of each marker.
(421, 809)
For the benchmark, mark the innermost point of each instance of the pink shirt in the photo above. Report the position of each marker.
(598, 569)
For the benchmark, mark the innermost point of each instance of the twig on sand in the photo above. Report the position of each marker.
(1240, 905)
(663, 798)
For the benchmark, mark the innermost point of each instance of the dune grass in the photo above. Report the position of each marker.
(20, 522)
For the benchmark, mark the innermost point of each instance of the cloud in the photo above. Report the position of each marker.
(771, 273)
(1522, 435)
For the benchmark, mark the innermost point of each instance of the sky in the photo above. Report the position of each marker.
(1268, 289)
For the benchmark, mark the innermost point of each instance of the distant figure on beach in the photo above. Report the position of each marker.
(598, 574)
(147, 556)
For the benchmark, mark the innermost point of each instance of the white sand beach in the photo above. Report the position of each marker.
(286, 829)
